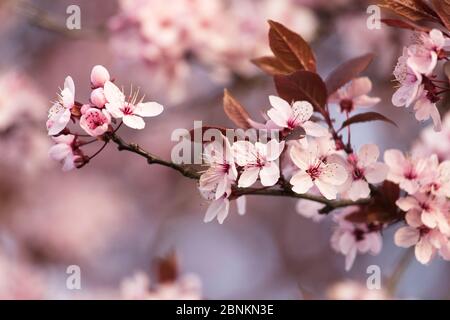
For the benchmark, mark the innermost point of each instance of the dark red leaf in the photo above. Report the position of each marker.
(414, 10)
(272, 65)
(235, 111)
(167, 268)
(290, 48)
(366, 117)
(347, 71)
(403, 24)
(303, 85)
(442, 8)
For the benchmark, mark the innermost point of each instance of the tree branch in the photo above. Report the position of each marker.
(237, 192)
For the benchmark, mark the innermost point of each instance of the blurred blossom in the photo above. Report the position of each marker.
(18, 280)
(21, 114)
(76, 223)
(222, 36)
(432, 142)
(352, 290)
(137, 287)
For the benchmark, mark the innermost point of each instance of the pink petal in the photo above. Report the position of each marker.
(407, 203)
(269, 174)
(148, 109)
(365, 101)
(241, 204)
(394, 159)
(359, 189)
(406, 237)
(327, 190)
(299, 157)
(301, 182)
(333, 173)
(358, 87)
(368, 154)
(274, 149)
(315, 130)
(248, 177)
(302, 111)
(424, 251)
(376, 173)
(133, 122)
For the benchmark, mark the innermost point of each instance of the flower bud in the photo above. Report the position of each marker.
(98, 98)
(99, 76)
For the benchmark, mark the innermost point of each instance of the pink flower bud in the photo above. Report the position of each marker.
(84, 108)
(98, 98)
(99, 76)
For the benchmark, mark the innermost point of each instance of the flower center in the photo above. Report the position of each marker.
(128, 109)
(359, 234)
(314, 171)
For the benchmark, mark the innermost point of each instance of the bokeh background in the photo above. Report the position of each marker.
(117, 215)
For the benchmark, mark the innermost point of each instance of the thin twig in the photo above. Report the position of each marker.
(193, 174)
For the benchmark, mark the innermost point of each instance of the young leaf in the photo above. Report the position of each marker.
(272, 65)
(442, 8)
(235, 111)
(303, 85)
(290, 48)
(366, 117)
(414, 10)
(347, 71)
(403, 24)
(295, 134)
(167, 268)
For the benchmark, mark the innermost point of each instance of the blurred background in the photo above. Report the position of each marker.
(117, 215)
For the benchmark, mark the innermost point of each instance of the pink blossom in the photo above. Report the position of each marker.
(432, 142)
(433, 211)
(408, 172)
(326, 176)
(354, 95)
(410, 82)
(95, 122)
(59, 113)
(222, 169)
(130, 112)
(65, 151)
(350, 238)
(424, 55)
(99, 76)
(310, 209)
(364, 169)
(258, 160)
(427, 241)
(424, 108)
(296, 115)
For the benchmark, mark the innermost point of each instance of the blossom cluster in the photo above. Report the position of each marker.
(220, 36)
(415, 73)
(107, 105)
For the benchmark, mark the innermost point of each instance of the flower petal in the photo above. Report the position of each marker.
(148, 109)
(134, 122)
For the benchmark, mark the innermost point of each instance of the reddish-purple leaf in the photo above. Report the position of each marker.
(235, 111)
(366, 117)
(403, 24)
(442, 8)
(347, 71)
(414, 10)
(272, 65)
(167, 268)
(303, 85)
(291, 48)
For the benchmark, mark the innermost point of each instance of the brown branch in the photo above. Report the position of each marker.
(193, 174)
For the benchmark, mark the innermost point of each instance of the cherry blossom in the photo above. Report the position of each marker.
(94, 121)
(59, 114)
(258, 160)
(326, 176)
(296, 115)
(129, 111)
(310, 210)
(354, 95)
(432, 142)
(433, 211)
(137, 287)
(427, 241)
(406, 171)
(352, 238)
(66, 151)
(425, 54)
(410, 82)
(425, 108)
(222, 169)
(363, 169)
